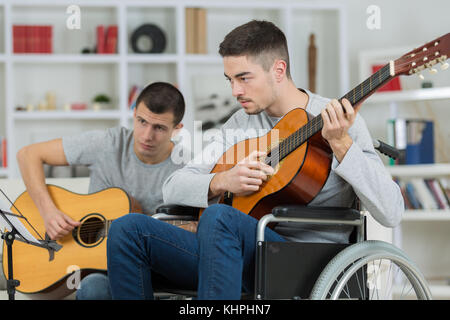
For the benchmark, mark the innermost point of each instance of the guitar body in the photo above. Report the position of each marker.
(298, 178)
(84, 248)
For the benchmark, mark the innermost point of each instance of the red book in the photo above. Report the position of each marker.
(4, 153)
(393, 85)
(19, 38)
(100, 39)
(35, 39)
(111, 39)
(47, 39)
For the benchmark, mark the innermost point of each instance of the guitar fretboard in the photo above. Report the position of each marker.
(360, 92)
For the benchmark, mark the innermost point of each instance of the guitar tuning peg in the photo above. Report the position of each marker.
(433, 71)
(444, 65)
(421, 77)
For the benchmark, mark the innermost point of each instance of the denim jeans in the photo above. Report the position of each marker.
(218, 261)
(94, 286)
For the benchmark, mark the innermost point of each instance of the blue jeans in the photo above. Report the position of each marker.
(218, 261)
(94, 286)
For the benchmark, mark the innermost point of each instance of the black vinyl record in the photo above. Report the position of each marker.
(156, 39)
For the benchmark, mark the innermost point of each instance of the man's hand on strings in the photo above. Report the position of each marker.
(336, 124)
(57, 224)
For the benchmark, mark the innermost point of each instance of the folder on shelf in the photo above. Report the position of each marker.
(100, 39)
(111, 39)
(4, 152)
(196, 30)
(190, 30)
(201, 30)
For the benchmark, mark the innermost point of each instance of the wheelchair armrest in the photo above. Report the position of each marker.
(177, 210)
(316, 213)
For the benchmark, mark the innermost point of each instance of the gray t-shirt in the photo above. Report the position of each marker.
(112, 162)
(361, 173)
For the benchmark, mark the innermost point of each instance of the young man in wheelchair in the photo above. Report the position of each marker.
(218, 260)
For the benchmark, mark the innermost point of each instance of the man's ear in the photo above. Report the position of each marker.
(279, 68)
(177, 129)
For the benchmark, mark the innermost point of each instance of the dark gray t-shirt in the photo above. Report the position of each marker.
(112, 162)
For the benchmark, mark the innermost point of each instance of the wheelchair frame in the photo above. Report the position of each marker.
(362, 250)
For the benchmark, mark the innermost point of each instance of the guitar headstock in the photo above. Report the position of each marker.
(426, 56)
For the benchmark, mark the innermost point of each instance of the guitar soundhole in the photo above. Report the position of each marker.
(91, 232)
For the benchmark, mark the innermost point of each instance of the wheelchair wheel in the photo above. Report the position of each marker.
(371, 270)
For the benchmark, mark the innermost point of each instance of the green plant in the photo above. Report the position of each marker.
(102, 98)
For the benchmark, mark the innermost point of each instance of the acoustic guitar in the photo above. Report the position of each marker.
(300, 156)
(84, 249)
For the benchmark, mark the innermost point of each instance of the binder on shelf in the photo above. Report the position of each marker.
(196, 33)
(423, 194)
(201, 30)
(32, 39)
(100, 39)
(111, 39)
(411, 193)
(436, 191)
(414, 138)
(4, 153)
(190, 30)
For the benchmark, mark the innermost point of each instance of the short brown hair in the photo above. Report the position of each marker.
(161, 97)
(261, 40)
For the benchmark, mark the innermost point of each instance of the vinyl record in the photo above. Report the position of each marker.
(148, 38)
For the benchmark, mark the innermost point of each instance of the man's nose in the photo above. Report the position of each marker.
(236, 89)
(148, 133)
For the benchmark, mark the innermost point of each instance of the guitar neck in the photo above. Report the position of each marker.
(355, 96)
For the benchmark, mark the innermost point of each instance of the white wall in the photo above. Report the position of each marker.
(403, 24)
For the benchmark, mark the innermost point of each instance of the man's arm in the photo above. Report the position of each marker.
(359, 165)
(31, 161)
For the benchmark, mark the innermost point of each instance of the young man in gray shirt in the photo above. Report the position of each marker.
(138, 161)
(219, 260)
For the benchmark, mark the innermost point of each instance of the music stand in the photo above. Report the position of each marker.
(19, 232)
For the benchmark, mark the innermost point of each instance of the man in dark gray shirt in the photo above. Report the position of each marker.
(219, 260)
(138, 161)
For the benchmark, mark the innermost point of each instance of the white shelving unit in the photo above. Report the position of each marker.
(423, 234)
(75, 77)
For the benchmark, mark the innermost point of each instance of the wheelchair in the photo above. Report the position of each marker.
(360, 269)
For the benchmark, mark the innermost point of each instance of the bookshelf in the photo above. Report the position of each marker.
(423, 233)
(77, 77)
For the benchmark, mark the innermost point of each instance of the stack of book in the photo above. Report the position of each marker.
(426, 194)
(32, 39)
(196, 30)
(3, 154)
(106, 39)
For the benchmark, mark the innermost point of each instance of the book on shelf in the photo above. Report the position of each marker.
(3, 153)
(132, 96)
(427, 194)
(196, 33)
(106, 39)
(32, 39)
